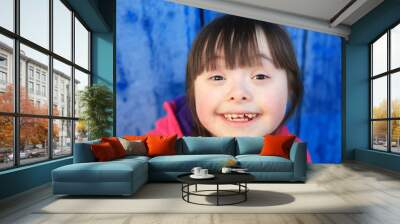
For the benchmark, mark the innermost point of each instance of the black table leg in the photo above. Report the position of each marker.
(217, 194)
(196, 188)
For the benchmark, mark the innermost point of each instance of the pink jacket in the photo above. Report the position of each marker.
(169, 125)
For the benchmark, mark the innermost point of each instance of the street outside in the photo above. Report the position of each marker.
(33, 156)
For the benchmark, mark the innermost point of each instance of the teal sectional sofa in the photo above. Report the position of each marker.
(125, 176)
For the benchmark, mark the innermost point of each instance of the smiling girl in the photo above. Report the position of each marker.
(242, 79)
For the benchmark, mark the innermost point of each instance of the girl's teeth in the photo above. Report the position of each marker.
(239, 117)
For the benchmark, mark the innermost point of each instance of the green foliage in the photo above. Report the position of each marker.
(97, 104)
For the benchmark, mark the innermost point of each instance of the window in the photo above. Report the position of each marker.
(3, 61)
(30, 72)
(385, 94)
(43, 77)
(30, 87)
(54, 125)
(37, 74)
(3, 78)
(38, 89)
(44, 91)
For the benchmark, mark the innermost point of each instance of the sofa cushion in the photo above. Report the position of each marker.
(249, 145)
(277, 145)
(116, 145)
(136, 147)
(208, 145)
(111, 171)
(257, 163)
(161, 145)
(103, 151)
(185, 163)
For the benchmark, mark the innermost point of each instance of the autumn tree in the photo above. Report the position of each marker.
(33, 131)
(380, 127)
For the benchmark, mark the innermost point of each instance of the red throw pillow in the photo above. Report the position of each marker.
(277, 145)
(103, 151)
(116, 145)
(161, 145)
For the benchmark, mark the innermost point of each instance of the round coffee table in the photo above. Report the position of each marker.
(238, 179)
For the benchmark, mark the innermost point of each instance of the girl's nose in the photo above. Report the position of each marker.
(239, 93)
(243, 98)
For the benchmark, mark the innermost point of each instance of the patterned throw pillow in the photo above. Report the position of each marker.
(135, 147)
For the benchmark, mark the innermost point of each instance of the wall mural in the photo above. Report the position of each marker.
(169, 82)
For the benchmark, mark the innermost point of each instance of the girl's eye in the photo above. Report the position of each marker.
(261, 76)
(216, 78)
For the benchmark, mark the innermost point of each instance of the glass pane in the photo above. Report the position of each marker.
(81, 131)
(34, 97)
(81, 81)
(81, 45)
(33, 139)
(395, 47)
(379, 135)
(62, 29)
(7, 14)
(395, 136)
(395, 94)
(62, 89)
(379, 97)
(62, 138)
(379, 55)
(6, 74)
(35, 21)
(6, 142)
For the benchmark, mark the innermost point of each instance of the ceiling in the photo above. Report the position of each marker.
(328, 16)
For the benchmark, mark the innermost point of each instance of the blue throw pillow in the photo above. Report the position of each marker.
(208, 145)
(249, 145)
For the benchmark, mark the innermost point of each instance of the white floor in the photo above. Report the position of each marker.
(377, 189)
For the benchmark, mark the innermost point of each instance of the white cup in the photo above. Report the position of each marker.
(203, 172)
(196, 170)
(226, 170)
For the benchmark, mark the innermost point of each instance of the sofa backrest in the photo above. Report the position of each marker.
(83, 152)
(249, 145)
(206, 145)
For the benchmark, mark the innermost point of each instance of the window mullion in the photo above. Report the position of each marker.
(73, 82)
(50, 87)
(16, 84)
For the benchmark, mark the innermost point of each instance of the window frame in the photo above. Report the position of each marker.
(16, 115)
(388, 74)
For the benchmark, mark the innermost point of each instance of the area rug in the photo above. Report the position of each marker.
(167, 198)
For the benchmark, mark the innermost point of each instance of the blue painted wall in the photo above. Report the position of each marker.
(153, 41)
(24, 178)
(357, 84)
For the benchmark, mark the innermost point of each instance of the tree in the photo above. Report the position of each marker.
(380, 127)
(33, 130)
(97, 104)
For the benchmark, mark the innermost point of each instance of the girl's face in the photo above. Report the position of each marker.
(245, 101)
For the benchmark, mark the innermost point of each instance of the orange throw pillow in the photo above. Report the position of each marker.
(161, 145)
(277, 145)
(135, 138)
(116, 145)
(103, 151)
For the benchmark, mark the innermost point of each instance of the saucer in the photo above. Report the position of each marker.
(208, 176)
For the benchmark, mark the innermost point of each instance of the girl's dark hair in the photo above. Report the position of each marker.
(236, 38)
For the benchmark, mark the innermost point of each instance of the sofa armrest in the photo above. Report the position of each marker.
(83, 152)
(298, 155)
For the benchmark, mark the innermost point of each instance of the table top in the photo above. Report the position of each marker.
(220, 178)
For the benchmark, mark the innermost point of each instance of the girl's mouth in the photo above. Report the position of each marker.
(240, 117)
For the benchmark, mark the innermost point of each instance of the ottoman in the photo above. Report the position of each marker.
(118, 177)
